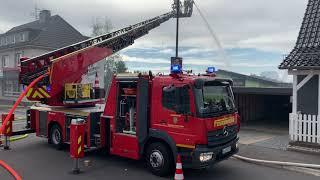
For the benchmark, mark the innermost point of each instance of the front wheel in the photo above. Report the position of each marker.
(159, 159)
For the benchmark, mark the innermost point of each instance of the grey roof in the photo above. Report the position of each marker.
(54, 33)
(263, 91)
(253, 77)
(306, 53)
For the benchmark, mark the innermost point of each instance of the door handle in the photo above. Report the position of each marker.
(186, 118)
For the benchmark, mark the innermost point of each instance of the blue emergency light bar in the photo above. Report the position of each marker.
(211, 70)
(176, 65)
(176, 69)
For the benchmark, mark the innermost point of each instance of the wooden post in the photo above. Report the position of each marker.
(318, 94)
(294, 94)
(317, 124)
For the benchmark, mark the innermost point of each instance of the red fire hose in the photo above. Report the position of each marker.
(10, 170)
(19, 100)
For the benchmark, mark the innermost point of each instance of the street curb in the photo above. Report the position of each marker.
(309, 171)
(301, 149)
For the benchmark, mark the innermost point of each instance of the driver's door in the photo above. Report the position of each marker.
(177, 115)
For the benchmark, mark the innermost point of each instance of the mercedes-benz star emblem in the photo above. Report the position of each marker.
(225, 131)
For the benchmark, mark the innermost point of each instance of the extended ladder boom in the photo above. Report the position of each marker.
(37, 66)
(68, 64)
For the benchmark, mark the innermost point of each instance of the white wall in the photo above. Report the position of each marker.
(27, 52)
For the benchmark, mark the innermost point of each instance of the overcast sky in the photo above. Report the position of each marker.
(250, 25)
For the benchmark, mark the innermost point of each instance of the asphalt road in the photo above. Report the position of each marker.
(34, 159)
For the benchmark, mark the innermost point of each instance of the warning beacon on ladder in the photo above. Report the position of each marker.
(96, 81)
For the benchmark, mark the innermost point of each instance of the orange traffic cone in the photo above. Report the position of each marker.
(96, 81)
(179, 173)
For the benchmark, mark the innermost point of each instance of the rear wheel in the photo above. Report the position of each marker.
(159, 159)
(55, 136)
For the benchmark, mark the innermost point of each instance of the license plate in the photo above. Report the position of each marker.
(226, 150)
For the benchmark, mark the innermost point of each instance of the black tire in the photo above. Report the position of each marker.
(55, 137)
(163, 166)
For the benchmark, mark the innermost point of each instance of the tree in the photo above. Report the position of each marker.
(116, 64)
(121, 67)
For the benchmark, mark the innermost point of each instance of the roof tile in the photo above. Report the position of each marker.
(55, 33)
(306, 53)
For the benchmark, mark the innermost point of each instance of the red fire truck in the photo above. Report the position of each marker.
(144, 116)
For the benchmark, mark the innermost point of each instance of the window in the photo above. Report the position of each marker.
(214, 99)
(6, 40)
(176, 99)
(183, 100)
(2, 41)
(11, 88)
(17, 58)
(5, 61)
(169, 97)
(22, 38)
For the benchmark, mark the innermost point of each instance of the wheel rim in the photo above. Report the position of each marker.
(56, 136)
(156, 159)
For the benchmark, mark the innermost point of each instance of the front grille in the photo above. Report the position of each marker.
(221, 136)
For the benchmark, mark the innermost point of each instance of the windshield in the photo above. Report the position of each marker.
(214, 100)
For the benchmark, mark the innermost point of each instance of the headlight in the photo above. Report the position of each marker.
(237, 145)
(205, 156)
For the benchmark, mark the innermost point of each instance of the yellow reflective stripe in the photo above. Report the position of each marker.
(29, 92)
(44, 92)
(185, 146)
(8, 130)
(79, 150)
(8, 122)
(79, 139)
(36, 93)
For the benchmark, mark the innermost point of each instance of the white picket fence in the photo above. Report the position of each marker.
(304, 128)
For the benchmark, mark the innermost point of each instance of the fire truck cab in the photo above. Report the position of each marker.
(154, 118)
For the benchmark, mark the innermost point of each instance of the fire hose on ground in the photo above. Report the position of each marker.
(10, 170)
(12, 139)
(279, 163)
